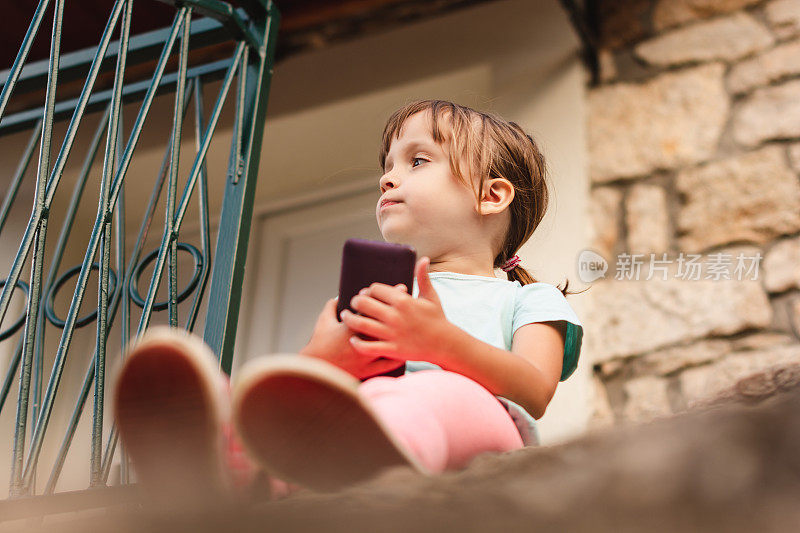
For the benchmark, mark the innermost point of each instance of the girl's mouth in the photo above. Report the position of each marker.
(388, 204)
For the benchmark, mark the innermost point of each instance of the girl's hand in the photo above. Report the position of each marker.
(405, 327)
(330, 342)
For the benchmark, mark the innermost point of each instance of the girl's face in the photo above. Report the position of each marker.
(435, 213)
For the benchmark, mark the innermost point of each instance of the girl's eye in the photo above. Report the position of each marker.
(416, 159)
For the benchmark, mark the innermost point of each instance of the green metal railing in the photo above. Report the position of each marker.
(245, 77)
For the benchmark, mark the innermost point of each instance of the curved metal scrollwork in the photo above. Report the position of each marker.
(18, 324)
(133, 288)
(158, 62)
(49, 310)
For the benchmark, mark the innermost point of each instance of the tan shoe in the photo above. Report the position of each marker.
(303, 420)
(170, 403)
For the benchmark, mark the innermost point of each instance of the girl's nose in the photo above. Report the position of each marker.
(387, 182)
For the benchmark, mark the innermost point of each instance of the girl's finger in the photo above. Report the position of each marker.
(365, 325)
(424, 284)
(387, 293)
(384, 348)
(374, 307)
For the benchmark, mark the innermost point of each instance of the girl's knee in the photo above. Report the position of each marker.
(445, 380)
(377, 385)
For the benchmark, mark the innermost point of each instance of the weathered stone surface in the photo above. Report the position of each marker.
(768, 382)
(782, 314)
(769, 113)
(669, 360)
(608, 67)
(673, 120)
(632, 317)
(646, 399)
(621, 22)
(605, 215)
(669, 13)
(602, 415)
(761, 341)
(705, 382)
(781, 61)
(756, 387)
(751, 197)
(728, 38)
(794, 315)
(728, 469)
(782, 265)
(784, 17)
(609, 369)
(794, 157)
(647, 219)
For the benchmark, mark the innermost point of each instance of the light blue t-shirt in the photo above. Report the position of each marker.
(491, 310)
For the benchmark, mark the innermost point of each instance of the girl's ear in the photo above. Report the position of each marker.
(497, 194)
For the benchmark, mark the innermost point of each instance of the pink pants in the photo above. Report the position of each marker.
(444, 418)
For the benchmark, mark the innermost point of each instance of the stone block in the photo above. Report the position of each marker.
(646, 399)
(784, 17)
(631, 317)
(751, 197)
(701, 383)
(765, 68)
(770, 113)
(729, 38)
(782, 266)
(669, 13)
(605, 211)
(647, 219)
(675, 119)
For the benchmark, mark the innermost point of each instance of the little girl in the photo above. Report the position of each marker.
(483, 354)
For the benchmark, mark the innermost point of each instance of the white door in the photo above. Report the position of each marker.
(293, 268)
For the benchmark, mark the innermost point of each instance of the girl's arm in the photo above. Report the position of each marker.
(527, 375)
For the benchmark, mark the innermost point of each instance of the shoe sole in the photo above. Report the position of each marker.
(169, 410)
(303, 420)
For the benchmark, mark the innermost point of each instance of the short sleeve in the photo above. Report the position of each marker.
(543, 302)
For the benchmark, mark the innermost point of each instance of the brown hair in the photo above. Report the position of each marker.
(493, 147)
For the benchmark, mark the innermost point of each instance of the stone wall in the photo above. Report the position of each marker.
(694, 141)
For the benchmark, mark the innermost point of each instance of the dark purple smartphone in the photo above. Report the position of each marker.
(365, 262)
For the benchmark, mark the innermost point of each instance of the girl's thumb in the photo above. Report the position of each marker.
(426, 289)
